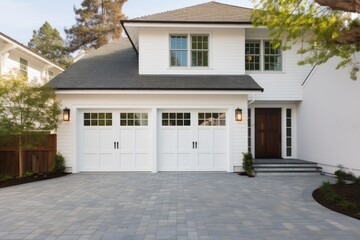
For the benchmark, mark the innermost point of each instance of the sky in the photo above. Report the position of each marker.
(18, 18)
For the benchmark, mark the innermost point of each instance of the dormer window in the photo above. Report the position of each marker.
(181, 54)
(178, 51)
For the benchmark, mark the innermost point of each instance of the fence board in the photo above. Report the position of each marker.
(38, 159)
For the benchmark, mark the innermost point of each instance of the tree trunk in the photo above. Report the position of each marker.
(343, 5)
(21, 158)
(349, 36)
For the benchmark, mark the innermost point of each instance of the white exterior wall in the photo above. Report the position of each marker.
(329, 119)
(284, 85)
(37, 70)
(68, 132)
(226, 51)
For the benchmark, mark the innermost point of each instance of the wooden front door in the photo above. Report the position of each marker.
(268, 132)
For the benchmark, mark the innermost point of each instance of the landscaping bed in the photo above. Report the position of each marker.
(7, 182)
(348, 192)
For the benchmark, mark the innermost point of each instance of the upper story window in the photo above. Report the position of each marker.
(24, 67)
(178, 50)
(51, 74)
(181, 54)
(261, 56)
(200, 50)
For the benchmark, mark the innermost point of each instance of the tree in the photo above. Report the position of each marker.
(326, 28)
(97, 23)
(27, 112)
(48, 42)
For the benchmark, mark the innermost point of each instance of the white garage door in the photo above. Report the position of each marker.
(115, 141)
(193, 141)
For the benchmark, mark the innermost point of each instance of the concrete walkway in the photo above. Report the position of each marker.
(170, 206)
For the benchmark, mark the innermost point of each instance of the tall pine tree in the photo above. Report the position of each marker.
(97, 23)
(48, 42)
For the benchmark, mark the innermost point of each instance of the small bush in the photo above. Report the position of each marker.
(5, 178)
(248, 164)
(347, 206)
(28, 174)
(340, 181)
(59, 166)
(356, 180)
(329, 194)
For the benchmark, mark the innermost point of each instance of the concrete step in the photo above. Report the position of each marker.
(285, 165)
(289, 173)
(286, 169)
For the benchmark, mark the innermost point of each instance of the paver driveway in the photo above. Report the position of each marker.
(170, 206)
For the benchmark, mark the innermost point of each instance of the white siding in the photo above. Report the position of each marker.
(226, 51)
(329, 119)
(37, 70)
(67, 136)
(284, 85)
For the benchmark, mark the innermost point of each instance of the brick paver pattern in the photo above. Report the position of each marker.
(170, 205)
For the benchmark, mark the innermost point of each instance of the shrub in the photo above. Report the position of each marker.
(356, 180)
(347, 206)
(340, 173)
(28, 174)
(340, 181)
(248, 164)
(59, 166)
(5, 177)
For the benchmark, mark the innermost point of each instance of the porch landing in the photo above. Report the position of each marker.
(288, 167)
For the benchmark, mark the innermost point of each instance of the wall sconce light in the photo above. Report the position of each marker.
(238, 114)
(66, 114)
(248, 58)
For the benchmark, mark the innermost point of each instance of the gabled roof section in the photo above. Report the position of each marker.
(115, 67)
(29, 51)
(206, 12)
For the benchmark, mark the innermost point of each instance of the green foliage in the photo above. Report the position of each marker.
(319, 30)
(5, 177)
(356, 180)
(332, 197)
(247, 165)
(340, 181)
(48, 42)
(97, 22)
(59, 165)
(28, 174)
(26, 109)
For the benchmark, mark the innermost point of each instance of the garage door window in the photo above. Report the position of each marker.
(212, 119)
(176, 119)
(97, 119)
(133, 119)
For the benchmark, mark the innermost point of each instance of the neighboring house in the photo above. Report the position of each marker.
(14, 56)
(170, 97)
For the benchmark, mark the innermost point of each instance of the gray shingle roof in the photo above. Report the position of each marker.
(206, 12)
(115, 66)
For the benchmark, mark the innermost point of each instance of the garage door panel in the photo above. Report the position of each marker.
(168, 140)
(218, 161)
(91, 161)
(107, 161)
(204, 161)
(127, 161)
(184, 161)
(168, 161)
(184, 143)
(142, 140)
(91, 140)
(126, 140)
(142, 161)
(204, 140)
(219, 139)
(106, 140)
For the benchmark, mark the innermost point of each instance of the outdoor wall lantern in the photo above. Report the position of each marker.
(238, 114)
(66, 114)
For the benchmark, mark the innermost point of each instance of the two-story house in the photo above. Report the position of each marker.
(188, 90)
(14, 56)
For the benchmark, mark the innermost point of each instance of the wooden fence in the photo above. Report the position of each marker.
(38, 159)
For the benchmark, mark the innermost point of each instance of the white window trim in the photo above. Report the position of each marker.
(262, 55)
(189, 67)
